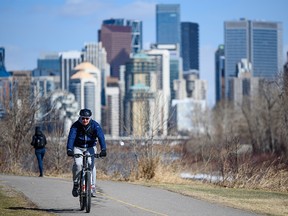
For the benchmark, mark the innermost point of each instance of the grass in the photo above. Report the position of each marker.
(14, 203)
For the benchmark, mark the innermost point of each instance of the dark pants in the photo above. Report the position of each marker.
(40, 155)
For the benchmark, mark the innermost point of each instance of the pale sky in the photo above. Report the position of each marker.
(30, 28)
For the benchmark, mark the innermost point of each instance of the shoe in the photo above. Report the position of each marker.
(75, 190)
(41, 175)
(93, 191)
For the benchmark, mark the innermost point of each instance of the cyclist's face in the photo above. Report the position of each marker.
(85, 120)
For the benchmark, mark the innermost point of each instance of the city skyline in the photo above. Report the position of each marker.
(32, 28)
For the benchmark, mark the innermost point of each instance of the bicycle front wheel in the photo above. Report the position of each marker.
(82, 198)
(88, 191)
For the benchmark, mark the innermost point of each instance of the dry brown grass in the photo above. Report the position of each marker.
(265, 192)
(264, 202)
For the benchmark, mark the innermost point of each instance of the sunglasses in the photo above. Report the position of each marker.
(85, 118)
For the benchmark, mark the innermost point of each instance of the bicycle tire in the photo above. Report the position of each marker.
(81, 193)
(88, 191)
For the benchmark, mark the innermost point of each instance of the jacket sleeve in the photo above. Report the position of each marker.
(100, 136)
(71, 137)
(33, 141)
(45, 140)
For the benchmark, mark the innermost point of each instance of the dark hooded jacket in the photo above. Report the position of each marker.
(38, 136)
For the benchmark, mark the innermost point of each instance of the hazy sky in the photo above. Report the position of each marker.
(29, 28)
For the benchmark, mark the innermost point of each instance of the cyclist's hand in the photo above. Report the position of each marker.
(103, 153)
(70, 153)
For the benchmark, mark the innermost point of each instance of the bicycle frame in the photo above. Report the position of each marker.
(85, 181)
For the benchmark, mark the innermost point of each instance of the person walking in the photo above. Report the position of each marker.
(39, 142)
(83, 136)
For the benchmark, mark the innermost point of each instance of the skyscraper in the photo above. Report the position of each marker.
(85, 84)
(136, 31)
(137, 35)
(95, 53)
(162, 69)
(190, 45)
(117, 42)
(113, 108)
(140, 90)
(2, 58)
(259, 42)
(220, 73)
(68, 61)
(176, 64)
(168, 29)
(48, 65)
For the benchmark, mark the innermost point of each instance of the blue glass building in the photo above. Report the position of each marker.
(168, 28)
(257, 41)
(219, 73)
(48, 65)
(2, 58)
(190, 45)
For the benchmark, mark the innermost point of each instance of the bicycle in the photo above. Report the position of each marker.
(85, 181)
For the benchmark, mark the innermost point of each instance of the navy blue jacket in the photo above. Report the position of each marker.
(85, 136)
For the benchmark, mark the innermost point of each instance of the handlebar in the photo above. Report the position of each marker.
(87, 155)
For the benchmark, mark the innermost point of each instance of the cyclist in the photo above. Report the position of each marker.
(83, 136)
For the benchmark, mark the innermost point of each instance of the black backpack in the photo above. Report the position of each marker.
(39, 141)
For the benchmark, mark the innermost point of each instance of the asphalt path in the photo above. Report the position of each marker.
(113, 198)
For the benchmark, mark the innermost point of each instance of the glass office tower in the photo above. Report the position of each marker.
(168, 29)
(190, 45)
(2, 58)
(48, 65)
(257, 41)
(219, 73)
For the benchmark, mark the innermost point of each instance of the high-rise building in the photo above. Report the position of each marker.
(136, 31)
(5, 84)
(117, 42)
(48, 65)
(140, 96)
(220, 73)
(43, 87)
(96, 54)
(259, 42)
(162, 69)
(85, 84)
(190, 45)
(22, 84)
(137, 35)
(168, 29)
(195, 87)
(113, 108)
(68, 61)
(176, 71)
(147, 95)
(2, 58)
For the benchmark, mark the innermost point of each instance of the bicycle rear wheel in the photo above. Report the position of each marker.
(88, 191)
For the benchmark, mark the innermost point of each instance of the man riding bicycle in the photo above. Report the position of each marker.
(83, 136)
